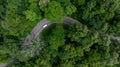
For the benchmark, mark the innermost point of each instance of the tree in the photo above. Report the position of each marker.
(82, 35)
(43, 3)
(56, 37)
(54, 11)
(91, 42)
(30, 51)
(2, 9)
(31, 16)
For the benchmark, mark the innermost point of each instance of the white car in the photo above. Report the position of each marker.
(45, 25)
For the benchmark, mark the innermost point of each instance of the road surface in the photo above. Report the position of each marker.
(34, 35)
(35, 32)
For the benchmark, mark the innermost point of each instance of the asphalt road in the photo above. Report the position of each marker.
(35, 32)
(8, 64)
(34, 35)
(40, 26)
(115, 38)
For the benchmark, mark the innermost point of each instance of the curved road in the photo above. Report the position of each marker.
(40, 26)
(34, 35)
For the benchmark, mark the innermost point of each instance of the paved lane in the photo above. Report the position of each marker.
(35, 32)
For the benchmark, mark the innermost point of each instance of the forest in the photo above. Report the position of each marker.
(93, 40)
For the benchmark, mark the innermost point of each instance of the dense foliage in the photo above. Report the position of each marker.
(86, 43)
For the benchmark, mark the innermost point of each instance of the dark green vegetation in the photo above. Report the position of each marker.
(87, 43)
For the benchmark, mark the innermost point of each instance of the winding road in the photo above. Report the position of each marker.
(34, 35)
